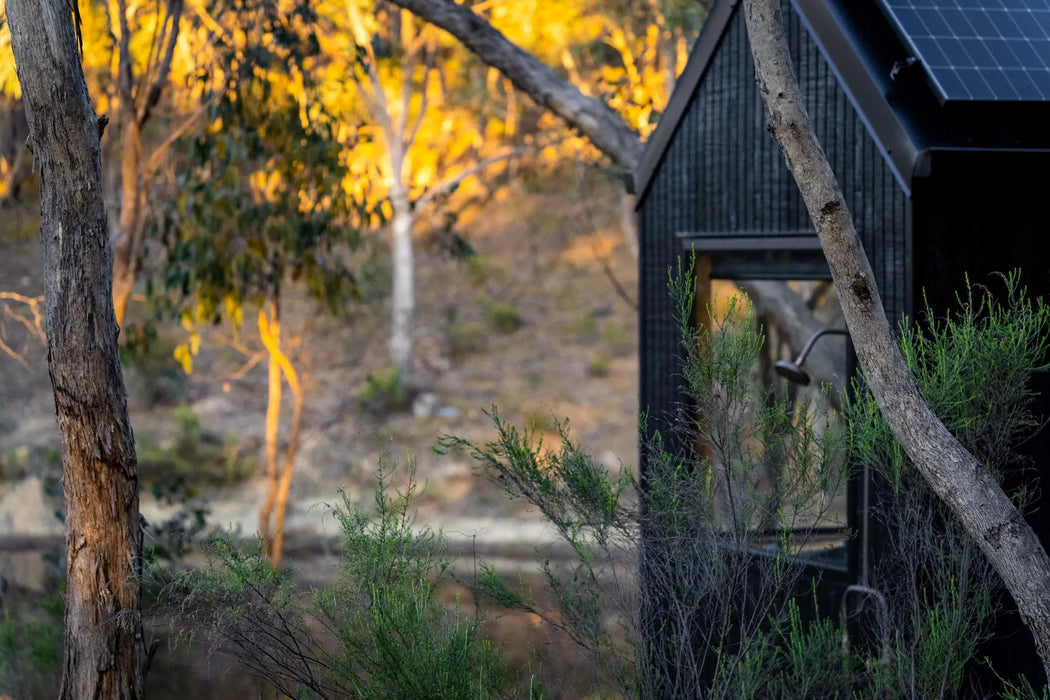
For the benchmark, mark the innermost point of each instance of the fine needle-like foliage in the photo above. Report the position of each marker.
(975, 367)
(378, 632)
(722, 521)
(262, 204)
(729, 521)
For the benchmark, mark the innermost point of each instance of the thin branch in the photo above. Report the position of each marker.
(172, 21)
(411, 51)
(375, 98)
(34, 323)
(446, 186)
(603, 261)
(124, 76)
(424, 98)
(162, 150)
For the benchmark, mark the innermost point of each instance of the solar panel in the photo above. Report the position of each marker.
(979, 50)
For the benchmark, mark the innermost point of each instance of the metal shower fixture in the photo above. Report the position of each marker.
(792, 371)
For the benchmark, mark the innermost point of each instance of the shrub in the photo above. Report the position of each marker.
(598, 365)
(700, 514)
(974, 367)
(190, 459)
(709, 615)
(465, 338)
(383, 391)
(378, 632)
(31, 650)
(501, 316)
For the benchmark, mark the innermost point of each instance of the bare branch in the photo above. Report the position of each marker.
(33, 322)
(170, 37)
(153, 164)
(449, 184)
(590, 116)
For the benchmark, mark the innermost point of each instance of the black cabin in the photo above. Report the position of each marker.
(935, 116)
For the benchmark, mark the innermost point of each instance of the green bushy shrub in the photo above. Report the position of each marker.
(378, 632)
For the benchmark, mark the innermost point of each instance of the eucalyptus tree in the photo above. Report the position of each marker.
(103, 638)
(430, 132)
(261, 204)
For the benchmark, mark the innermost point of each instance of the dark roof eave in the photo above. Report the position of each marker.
(838, 40)
(865, 82)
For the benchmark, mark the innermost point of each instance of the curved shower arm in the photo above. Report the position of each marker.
(801, 359)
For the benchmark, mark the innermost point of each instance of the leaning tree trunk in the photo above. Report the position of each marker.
(958, 479)
(588, 115)
(103, 627)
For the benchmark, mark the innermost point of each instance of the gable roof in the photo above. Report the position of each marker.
(883, 82)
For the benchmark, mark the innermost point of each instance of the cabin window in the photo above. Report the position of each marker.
(802, 501)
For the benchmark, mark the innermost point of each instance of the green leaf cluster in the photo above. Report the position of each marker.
(261, 197)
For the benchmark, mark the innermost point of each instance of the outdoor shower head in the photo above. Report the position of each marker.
(792, 371)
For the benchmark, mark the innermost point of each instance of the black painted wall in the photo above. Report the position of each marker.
(723, 175)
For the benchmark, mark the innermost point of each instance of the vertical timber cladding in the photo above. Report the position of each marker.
(722, 175)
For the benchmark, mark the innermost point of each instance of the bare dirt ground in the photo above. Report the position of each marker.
(541, 250)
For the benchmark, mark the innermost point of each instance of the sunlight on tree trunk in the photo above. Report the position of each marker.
(299, 400)
(270, 334)
(964, 484)
(279, 482)
(103, 635)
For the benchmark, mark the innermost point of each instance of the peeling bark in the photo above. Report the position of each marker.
(103, 645)
(958, 479)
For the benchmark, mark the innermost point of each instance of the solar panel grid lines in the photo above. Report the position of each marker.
(978, 50)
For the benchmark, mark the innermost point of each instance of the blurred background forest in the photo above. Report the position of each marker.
(338, 234)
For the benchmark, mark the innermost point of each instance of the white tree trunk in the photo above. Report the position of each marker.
(403, 296)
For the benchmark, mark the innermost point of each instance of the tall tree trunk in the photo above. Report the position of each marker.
(403, 301)
(299, 401)
(958, 479)
(270, 334)
(127, 254)
(103, 626)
